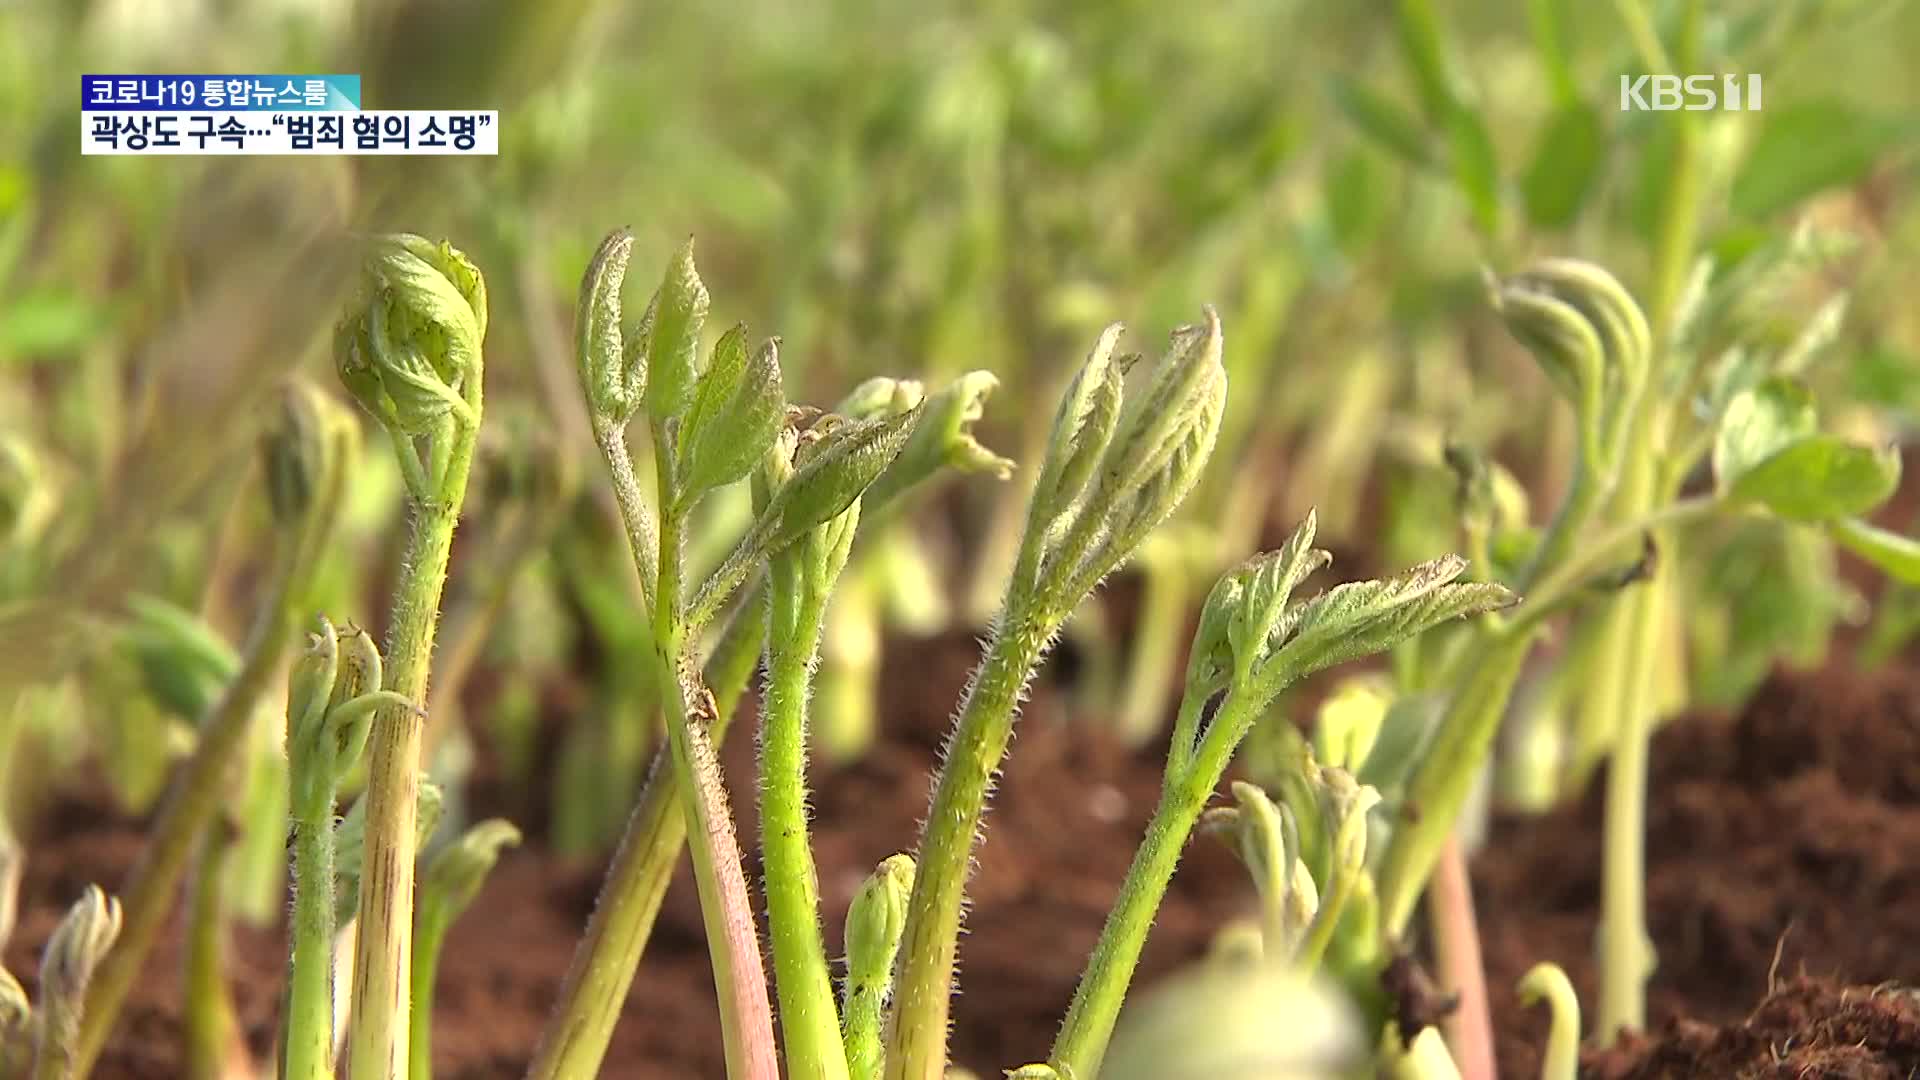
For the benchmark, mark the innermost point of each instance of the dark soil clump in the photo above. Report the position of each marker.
(1780, 844)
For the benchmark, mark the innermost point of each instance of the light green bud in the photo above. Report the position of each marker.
(614, 379)
(77, 946)
(1082, 428)
(409, 348)
(184, 664)
(1349, 721)
(1187, 394)
(881, 396)
(876, 919)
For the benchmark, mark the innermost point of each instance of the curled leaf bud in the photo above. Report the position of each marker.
(876, 919)
(840, 467)
(310, 686)
(678, 313)
(944, 439)
(409, 348)
(1588, 334)
(1216, 1021)
(454, 876)
(615, 379)
(76, 948)
(1082, 428)
(738, 410)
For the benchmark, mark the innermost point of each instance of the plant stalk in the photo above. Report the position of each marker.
(212, 1033)
(1456, 942)
(809, 1017)
(917, 1035)
(308, 1044)
(588, 1005)
(377, 1041)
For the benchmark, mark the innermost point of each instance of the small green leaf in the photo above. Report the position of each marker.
(1821, 477)
(1805, 148)
(1423, 45)
(1382, 121)
(1267, 583)
(1898, 556)
(49, 321)
(679, 313)
(1758, 423)
(1565, 166)
(614, 382)
(738, 409)
(1476, 171)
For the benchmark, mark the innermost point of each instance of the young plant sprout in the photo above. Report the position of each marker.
(409, 351)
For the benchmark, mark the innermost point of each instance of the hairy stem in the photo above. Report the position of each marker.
(809, 1019)
(917, 1035)
(588, 1005)
(1082, 1042)
(308, 1045)
(377, 1042)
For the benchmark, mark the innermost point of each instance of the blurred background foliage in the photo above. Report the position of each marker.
(915, 190)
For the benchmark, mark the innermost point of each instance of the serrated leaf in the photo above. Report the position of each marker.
(1821, 477)
(1897, 555)
(1382, 121)
(1267, 582)
(679, 313)
(1364, 617)
(737, 411)
(1758, 422)
(1806, 148)
(1565, 166)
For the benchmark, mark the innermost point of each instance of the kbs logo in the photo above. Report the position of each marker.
(1694, 93)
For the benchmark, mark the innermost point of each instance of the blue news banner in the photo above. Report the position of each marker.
(266, 114)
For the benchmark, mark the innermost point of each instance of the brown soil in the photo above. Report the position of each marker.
(1780, 844)
(1779, 848)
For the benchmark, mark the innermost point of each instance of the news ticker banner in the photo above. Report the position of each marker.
(266, 114)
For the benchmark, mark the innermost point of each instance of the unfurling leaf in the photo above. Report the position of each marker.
(1365, 617)
(737, 412)
(409, 347)
(679, 313)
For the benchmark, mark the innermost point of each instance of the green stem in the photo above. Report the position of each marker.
(809, 1018)
(1082, 1042)
(1626, 955)
(377, 1039)
(430, 933)
(1440, 785)
(588, 1005)
(308, 1045)
(917, 1039)
(212, 1033)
